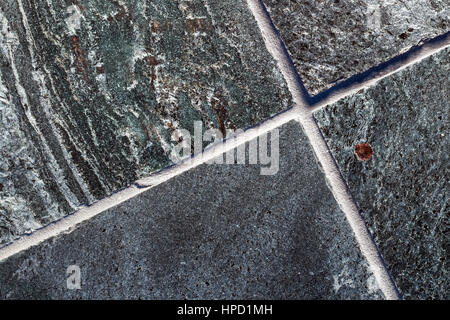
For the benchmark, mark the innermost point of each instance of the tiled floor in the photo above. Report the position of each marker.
(106, 85)
(91, 93)
(402, 191)
(217, 231)
(331, 40)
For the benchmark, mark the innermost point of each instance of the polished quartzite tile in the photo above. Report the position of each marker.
(91, 91)
(402, 190)
(331, 40)
(217, 231)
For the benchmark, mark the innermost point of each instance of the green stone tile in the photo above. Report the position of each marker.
(402, 190)
(331, 40)
(91, 91)
(214, 232)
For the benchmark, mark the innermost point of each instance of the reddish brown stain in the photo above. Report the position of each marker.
(158, 27)
(80, 61)
(100, 70)
(1, 187)
(194, 25)
(151, 61)
(122, 13)
(145, 129)
(363, 151)
(218, 105)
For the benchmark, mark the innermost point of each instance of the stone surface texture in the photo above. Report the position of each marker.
(331, 40)
(91, 91)
(402, 190)
(217, 231)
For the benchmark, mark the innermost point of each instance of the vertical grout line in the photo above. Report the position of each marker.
(276, 48)
(338, 186)
(343, 197)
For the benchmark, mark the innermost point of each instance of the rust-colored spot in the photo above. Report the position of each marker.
(170, 126)
(156, 26)
(80, 61)
(122, 13)
(151, 61)
(100, 70)
(363, 151)
(194, 25)
(217, 104)
(1, 187)
(130, 75)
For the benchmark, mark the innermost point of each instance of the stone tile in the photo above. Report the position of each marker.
(91, 91)
(332, 40)
(217, 231)
(402, 190)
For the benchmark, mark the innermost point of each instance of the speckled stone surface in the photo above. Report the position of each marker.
(331, 40)
(218, 231)
(402, 190)
(91, 91)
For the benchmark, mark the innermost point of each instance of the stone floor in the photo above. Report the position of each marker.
(97, 95)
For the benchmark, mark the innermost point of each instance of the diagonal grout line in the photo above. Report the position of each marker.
(69, 222)
(375, 74)
(343, 197)
(338, 186)
(218, 149)
(303, 108)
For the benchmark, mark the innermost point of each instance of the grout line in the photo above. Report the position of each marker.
(275, 46)
(348, 206)
(377, 73)
(302, 111)
(218, 149)
(338, 186)
(68, 223)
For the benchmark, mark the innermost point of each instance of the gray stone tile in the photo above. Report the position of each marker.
(402, 190)
(91, 91)
(217, 231)
(332, 40)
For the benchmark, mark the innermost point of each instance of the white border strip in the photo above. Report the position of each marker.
(338, 186)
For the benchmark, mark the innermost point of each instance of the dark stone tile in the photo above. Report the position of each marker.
(331, 40)
(403, 189)
(92, 90)
(217, 231)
